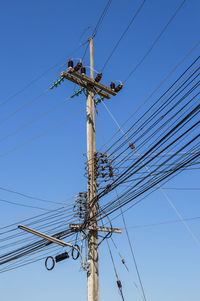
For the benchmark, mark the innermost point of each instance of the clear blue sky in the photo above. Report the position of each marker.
(36, 35)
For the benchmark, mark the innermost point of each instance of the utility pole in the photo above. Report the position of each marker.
(93, 274)
(92, 86)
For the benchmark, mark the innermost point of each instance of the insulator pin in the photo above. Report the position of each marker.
(78, 66)
(112, 86)
(119, 284)
(83, 70)
(131, 145)
(70, 64)
(98, 77)
(118, 88)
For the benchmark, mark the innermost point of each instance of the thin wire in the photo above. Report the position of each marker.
(115, 270)
(180, 188)
(139, 278)
(155, 41)
(39, 135)
(123, 34)
(30, 196)
(26, 195)
(196, 240)
(164, 223)
(37, 78)
(132, 253)
(101, 18)
(38, 117)
(28, 103)
(97, 26)
(159, 85)
(23, 205)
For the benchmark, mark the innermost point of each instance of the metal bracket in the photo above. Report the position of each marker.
(77, 227)
(62, 243)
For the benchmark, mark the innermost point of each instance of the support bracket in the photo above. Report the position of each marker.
(77, 227)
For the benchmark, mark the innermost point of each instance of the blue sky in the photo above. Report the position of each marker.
(37, 35)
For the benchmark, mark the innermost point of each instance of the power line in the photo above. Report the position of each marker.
(28, 196)
(165, 222)
(100, 20)
(38, 135)
(155, 41)
(123, 34)
(133, 255)
(24, 205)
(38, 117)
(37, 78)
(157, 88)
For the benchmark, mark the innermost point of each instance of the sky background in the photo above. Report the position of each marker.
(38, 37)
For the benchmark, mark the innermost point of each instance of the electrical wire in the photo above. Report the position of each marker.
(100, 20)
(123, 34)
(155, 41)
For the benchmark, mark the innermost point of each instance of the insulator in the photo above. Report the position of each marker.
(83, 70)
(78, 66)
(70, 64)
(112, 86)
(61, 257)
(119, 284)
(131, 145)
(108, 186)
(98, 77)
(123, 261)
(118, 88)
(110, 174)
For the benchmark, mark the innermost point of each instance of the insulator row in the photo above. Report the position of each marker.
(98, 77)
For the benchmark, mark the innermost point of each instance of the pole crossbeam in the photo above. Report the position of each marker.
(91, 81)
(83, 84)
(77, 227)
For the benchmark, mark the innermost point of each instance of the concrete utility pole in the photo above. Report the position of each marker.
(90, 85)
(93, 274)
